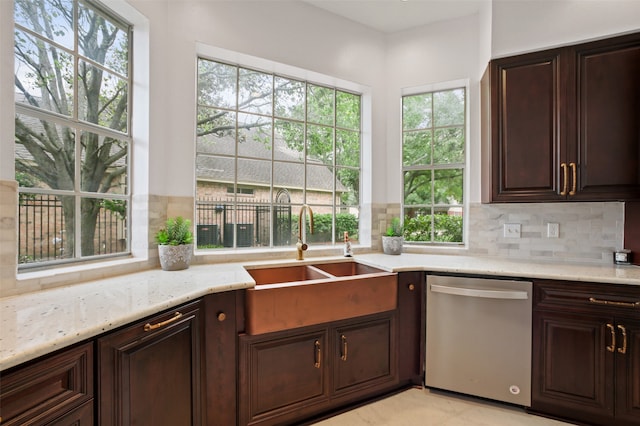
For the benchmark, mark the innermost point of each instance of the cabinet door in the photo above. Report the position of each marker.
(282, 378)
(526, 127)
(573, 371)
(628, 371)
(608, 112)
(150, 372)
(364, 355)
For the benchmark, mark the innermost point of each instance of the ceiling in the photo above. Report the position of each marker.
(390, 16)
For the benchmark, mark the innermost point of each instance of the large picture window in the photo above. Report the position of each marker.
(72, 138)
(278, 143)
(433, 163)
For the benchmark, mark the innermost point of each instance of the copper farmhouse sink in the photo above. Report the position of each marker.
(296, 296)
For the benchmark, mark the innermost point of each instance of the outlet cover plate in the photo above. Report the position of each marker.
(512, 230)
(553, 230)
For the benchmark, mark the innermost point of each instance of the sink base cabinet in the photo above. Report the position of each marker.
(586, 359)
(151, 372)
(289, 376)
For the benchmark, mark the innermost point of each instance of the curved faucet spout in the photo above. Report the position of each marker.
(301, 246)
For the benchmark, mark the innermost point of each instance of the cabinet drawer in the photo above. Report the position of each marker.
(41, 392)
(580, 296)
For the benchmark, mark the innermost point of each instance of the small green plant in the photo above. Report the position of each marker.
(177, 231)
(395, 228)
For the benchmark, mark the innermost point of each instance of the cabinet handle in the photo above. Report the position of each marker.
(222, 316)
(623, 349)
(574, 174)
(411, 287)
(612, 347)
(149, 327)
(565, 173)
(344, 347)
(614, 303)
(318, 354)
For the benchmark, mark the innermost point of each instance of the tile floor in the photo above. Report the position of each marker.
(415, 407)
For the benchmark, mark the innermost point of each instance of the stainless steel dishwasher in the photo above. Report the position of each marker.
(479, 337)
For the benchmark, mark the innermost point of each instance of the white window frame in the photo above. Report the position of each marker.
(243, 60)
(466, 190)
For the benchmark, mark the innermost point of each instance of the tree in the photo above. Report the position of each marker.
(47, 78)
(291, 101)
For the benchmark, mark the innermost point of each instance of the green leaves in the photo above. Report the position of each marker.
(176, 232)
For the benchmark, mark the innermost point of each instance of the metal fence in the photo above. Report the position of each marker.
(42, 235)
(221, 223)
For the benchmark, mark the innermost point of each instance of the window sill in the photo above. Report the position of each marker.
(56, 277)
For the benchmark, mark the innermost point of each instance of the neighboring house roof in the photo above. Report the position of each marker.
(256, 172)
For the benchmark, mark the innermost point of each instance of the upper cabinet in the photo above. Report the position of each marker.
(563, 124)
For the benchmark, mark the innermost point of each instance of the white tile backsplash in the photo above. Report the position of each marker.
(589, 232)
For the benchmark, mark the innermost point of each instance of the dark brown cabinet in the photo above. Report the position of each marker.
(292, 375)
(586, 360)
(152, 372)
(564, 124)
(55, 390)
(411, 327)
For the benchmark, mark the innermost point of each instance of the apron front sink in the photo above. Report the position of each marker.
(297, 296)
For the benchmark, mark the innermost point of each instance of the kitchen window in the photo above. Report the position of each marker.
(287, 140)
(73, 131)
(433, 165)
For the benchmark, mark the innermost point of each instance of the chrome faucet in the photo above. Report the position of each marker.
(301, 246)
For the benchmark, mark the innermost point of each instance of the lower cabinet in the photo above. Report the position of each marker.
(151, 373)
(56, 390)
(586, 361)
(289, 376)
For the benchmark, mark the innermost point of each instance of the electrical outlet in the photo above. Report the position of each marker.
(553, 230)
(512, 230)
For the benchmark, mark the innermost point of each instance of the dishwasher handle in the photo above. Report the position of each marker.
(477, 292)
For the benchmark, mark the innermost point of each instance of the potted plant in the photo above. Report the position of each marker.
(392, 239)
(175, 244)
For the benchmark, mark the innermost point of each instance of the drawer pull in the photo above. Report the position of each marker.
(412, 287)
(318, 354)
(612, 330)
(222, 316)
(614, 303)
(149, 327)
(623, 349)
(343, 356)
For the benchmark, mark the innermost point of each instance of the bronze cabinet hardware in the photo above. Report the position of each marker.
(623, 349)
(614, 303)
(149, 327)
(565, 174)
(612, 347)
(412, 287)
(318, 354)
(222, 316)
(343, 356)
(575, 177)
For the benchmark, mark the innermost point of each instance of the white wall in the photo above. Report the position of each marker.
(438, 53)
(291, 33)
(526, 25)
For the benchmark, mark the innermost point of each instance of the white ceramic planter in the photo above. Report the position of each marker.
(175, 258)
(392, 245)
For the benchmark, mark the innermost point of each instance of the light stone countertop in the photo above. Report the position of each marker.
(38, 323)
